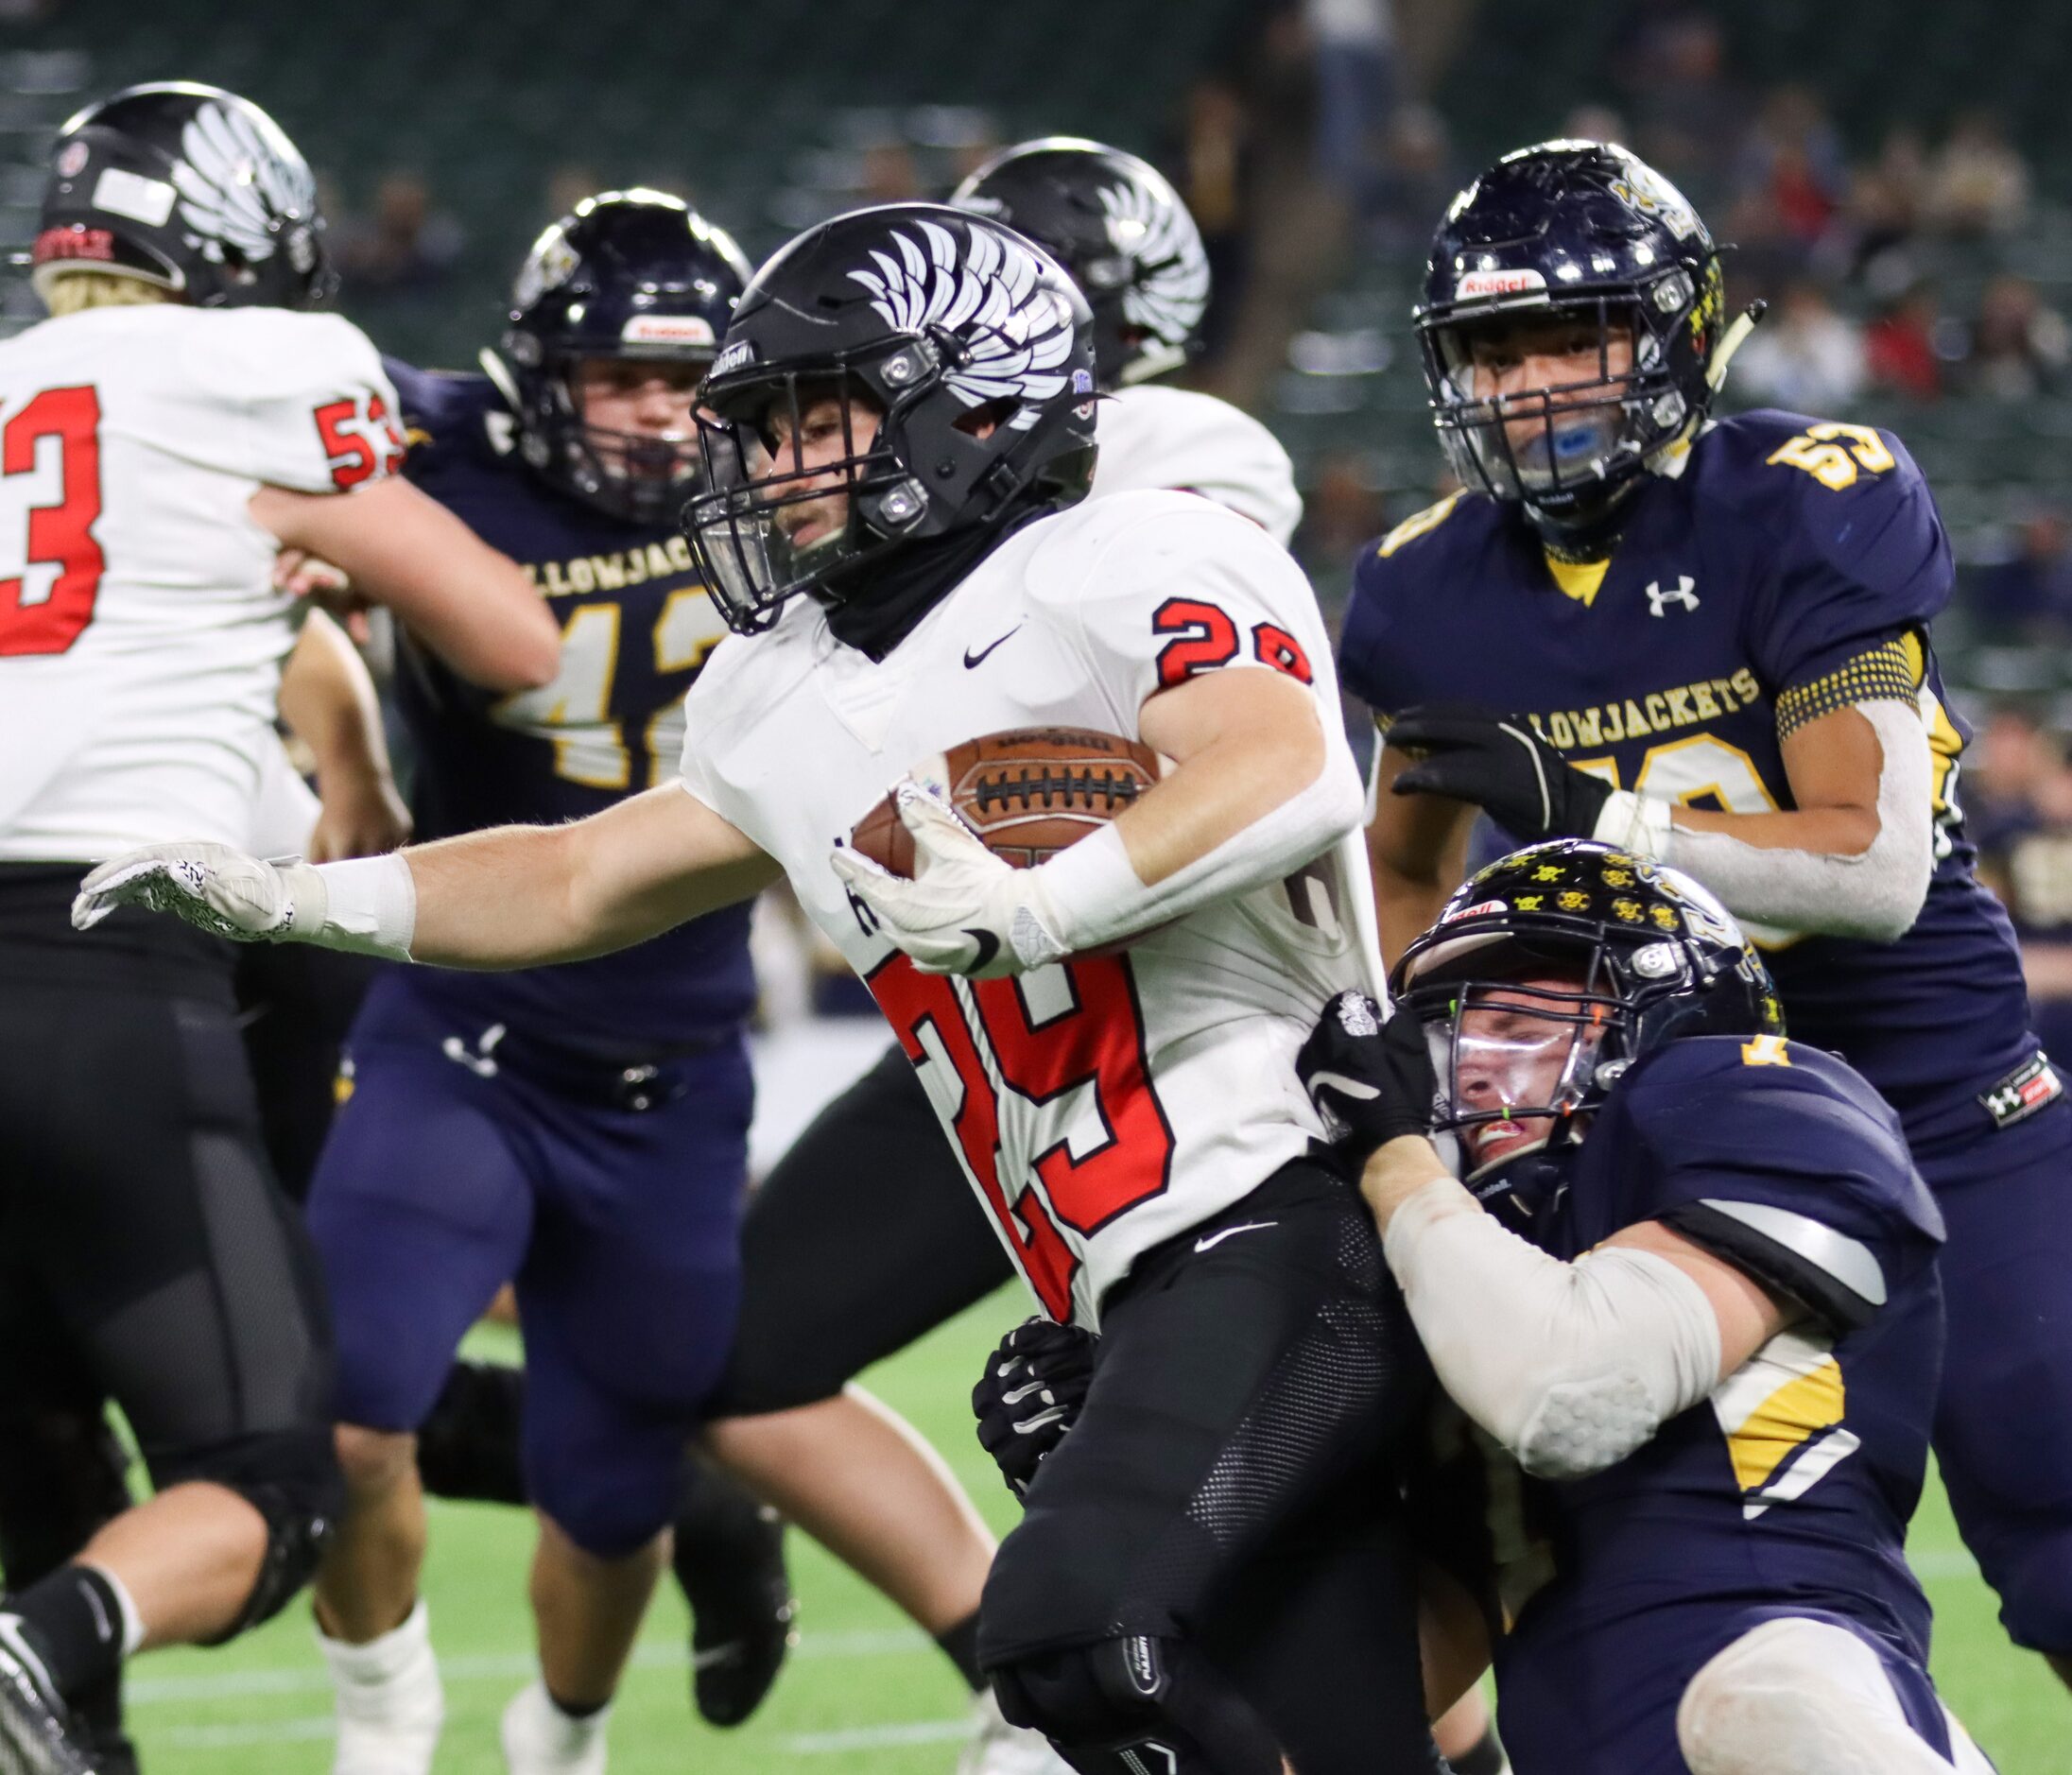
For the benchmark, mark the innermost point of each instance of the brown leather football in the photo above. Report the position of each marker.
(1027, 793)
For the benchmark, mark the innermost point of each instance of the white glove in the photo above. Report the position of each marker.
(965, 911)
(212, 886)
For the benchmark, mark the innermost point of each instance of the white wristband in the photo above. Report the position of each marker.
(1638, 824)
(1085, 893)
(367, 906)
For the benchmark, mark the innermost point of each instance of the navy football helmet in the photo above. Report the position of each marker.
(958, 358)
(1114, 222)
(1588, 233)
(1646, 955)
(635, 275)
(189, 187)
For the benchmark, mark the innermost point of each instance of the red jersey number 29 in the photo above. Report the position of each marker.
(1092, 1037)
(51, 498)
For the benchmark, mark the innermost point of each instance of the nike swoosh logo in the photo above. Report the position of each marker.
(972, 659)
(1231, 1233)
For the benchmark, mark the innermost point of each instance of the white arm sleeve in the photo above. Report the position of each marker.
(1571, 1367)
(1094, 896)
(1876, 895)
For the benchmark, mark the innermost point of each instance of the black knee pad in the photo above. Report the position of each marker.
(1137, 1704)
(291, 1478)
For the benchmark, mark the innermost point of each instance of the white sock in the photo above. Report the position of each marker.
(391, 1684)
(538, 1734)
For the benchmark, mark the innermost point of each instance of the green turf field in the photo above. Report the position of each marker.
(864, 1692)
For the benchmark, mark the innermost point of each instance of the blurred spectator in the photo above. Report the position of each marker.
(1793, 163)
(2018, 799)
(888, 174)
(1886, 201)
(405, 244)
(1342, 511)
(567, 185)
(1416, 181)
(2029, 595)
(1979, 182)
(1595, 123)
(1354, 42)
(1804, 355)
(1211, 176)
(1686, 115)
(1900, 346)
(2018, 346)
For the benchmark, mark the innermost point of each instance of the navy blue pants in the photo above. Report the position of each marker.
(2003, 1430)
(462, 1163)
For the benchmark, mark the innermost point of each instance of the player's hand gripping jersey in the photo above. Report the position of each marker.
(636, 627)
(1791, 1488)
(1790, 570)
(141, 637)
(1106, 1104)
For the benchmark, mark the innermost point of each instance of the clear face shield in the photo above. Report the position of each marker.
(788, 470)
(1516, 1059)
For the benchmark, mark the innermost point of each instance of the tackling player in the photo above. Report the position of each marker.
(1689, 1289)
(168, 430)
(1708, 644)
(906, 401)
(582, 1130)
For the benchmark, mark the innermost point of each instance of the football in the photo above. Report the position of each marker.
(1027, 792)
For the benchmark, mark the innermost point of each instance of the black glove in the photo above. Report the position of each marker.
(1500, 763)
(1030, 1395)
(1370, 1081)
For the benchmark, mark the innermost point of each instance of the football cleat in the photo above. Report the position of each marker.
(36, 1732)
(730, 1561)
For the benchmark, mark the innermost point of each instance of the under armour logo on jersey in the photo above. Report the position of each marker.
(481, 1061)
(1684, 593)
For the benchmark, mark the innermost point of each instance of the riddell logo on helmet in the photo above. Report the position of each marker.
(73, 243)
(1478, 907)
(666, 329)
(1499, 283)
(740, 353)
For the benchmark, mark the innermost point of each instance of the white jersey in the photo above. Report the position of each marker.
(1152, 436)
(141, 639)
(1107, 1104)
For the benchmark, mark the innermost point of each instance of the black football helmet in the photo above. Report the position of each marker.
(1652, 955)
(628, 275)
(1114, 222)
(189, 187)
(960, 358)
(1585, 233)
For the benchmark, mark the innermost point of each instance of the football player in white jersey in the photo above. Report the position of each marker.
(817, 1311)
(165, 434)
(1207, 1578)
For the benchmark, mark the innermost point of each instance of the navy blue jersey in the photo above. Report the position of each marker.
(1794, 1481)
(1793, 566)
(636, 626)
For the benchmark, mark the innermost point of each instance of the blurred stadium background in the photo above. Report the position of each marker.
(1895, 176)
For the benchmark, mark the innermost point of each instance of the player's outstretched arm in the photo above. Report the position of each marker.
(511, 897)
(401, 548)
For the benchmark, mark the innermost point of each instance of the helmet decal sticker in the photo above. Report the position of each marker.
(1159, 238)
(1016, 329)
(235, 179)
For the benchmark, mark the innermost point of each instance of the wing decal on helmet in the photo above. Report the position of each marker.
(991, 298)
(235, 183)
(1172, 286)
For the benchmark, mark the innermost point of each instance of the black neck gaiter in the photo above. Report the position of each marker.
(887, 600)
